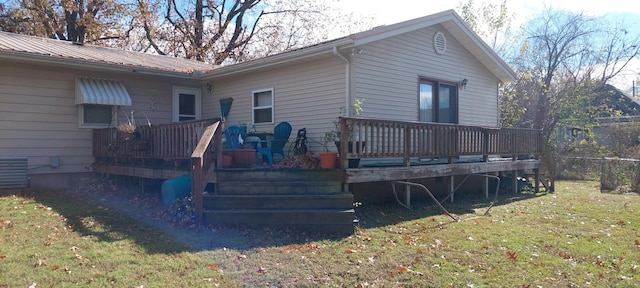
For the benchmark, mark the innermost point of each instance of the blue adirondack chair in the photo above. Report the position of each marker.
(281, 134)
(232, 134)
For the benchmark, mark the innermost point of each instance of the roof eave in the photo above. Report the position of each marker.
(500, 69)
(279, 59)
(83, 64)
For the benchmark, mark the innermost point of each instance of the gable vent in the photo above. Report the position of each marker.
(439, 43)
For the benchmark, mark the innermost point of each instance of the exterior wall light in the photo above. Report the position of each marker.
(463, 83)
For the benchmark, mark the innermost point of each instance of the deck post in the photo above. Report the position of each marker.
(407, 138)
(407, 195)
(198, 185)
(486, 186)
(537, 175)
(452, 186)
(514, 182)
(344, 143)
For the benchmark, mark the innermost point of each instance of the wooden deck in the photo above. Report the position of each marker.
(402, 151)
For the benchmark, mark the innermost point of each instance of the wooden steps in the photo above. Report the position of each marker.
(304, 199)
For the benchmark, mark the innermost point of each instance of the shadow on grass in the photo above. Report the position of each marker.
(390, 212)
(129, 214)
(106, 224)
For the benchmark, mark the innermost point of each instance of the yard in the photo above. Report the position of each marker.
(574, 237)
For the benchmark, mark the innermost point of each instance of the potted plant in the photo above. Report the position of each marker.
(356, 110)
(130, 131)
(127, 129)
(328, 158)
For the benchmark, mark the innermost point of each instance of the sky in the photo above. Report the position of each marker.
(385, 13)
(627, 10)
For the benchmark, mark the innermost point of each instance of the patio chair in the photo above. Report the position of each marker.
(281, 134)
(232, 135)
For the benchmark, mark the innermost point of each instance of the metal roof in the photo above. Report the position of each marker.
(64, 52)
(101, 91)
(51, 50)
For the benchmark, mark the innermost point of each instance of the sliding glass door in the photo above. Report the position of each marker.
(438, 102)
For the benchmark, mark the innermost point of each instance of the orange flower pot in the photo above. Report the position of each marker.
(243, 158)
(328, 160)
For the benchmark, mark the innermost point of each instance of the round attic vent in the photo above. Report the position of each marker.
(439, 43)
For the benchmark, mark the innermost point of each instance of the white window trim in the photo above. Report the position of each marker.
(81, 123)
(175, 106)
(253, 108)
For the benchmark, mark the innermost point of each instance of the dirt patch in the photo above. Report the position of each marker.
(143, 202)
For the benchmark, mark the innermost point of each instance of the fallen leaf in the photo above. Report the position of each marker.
(512, 255)
(262, 271)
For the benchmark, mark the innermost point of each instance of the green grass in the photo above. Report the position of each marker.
(54, 241)
(575, 237)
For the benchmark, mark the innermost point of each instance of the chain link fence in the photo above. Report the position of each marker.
(614, 174)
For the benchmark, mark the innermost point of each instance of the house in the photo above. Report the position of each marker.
(56, 95)
(609, 101)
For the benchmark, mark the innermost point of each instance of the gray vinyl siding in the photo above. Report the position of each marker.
(307, 95)
(386, 75)
(39, 118)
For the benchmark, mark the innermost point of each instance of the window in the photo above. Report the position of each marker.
(186, 103)
(438, 102)
(94, 115)
(263, 106)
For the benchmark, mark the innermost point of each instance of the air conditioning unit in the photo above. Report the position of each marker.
(13, 172)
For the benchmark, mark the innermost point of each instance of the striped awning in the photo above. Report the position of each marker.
(101, 91)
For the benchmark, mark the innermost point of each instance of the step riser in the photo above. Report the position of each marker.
(239, 203)
(302, 199)
(280, 217)
(276, 175)
(248, 188)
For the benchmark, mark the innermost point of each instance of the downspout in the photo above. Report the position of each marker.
(347, 82)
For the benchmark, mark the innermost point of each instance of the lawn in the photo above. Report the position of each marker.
(574, 237)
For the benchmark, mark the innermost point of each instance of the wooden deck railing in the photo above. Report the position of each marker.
(173, 141)
(202, 160)
(373, 138)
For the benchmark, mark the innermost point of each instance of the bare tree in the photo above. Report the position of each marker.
(492, 22)
(221, 31)
(565, 59)
(72, 20)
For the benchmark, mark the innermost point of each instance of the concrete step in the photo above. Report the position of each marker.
(277, 201)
